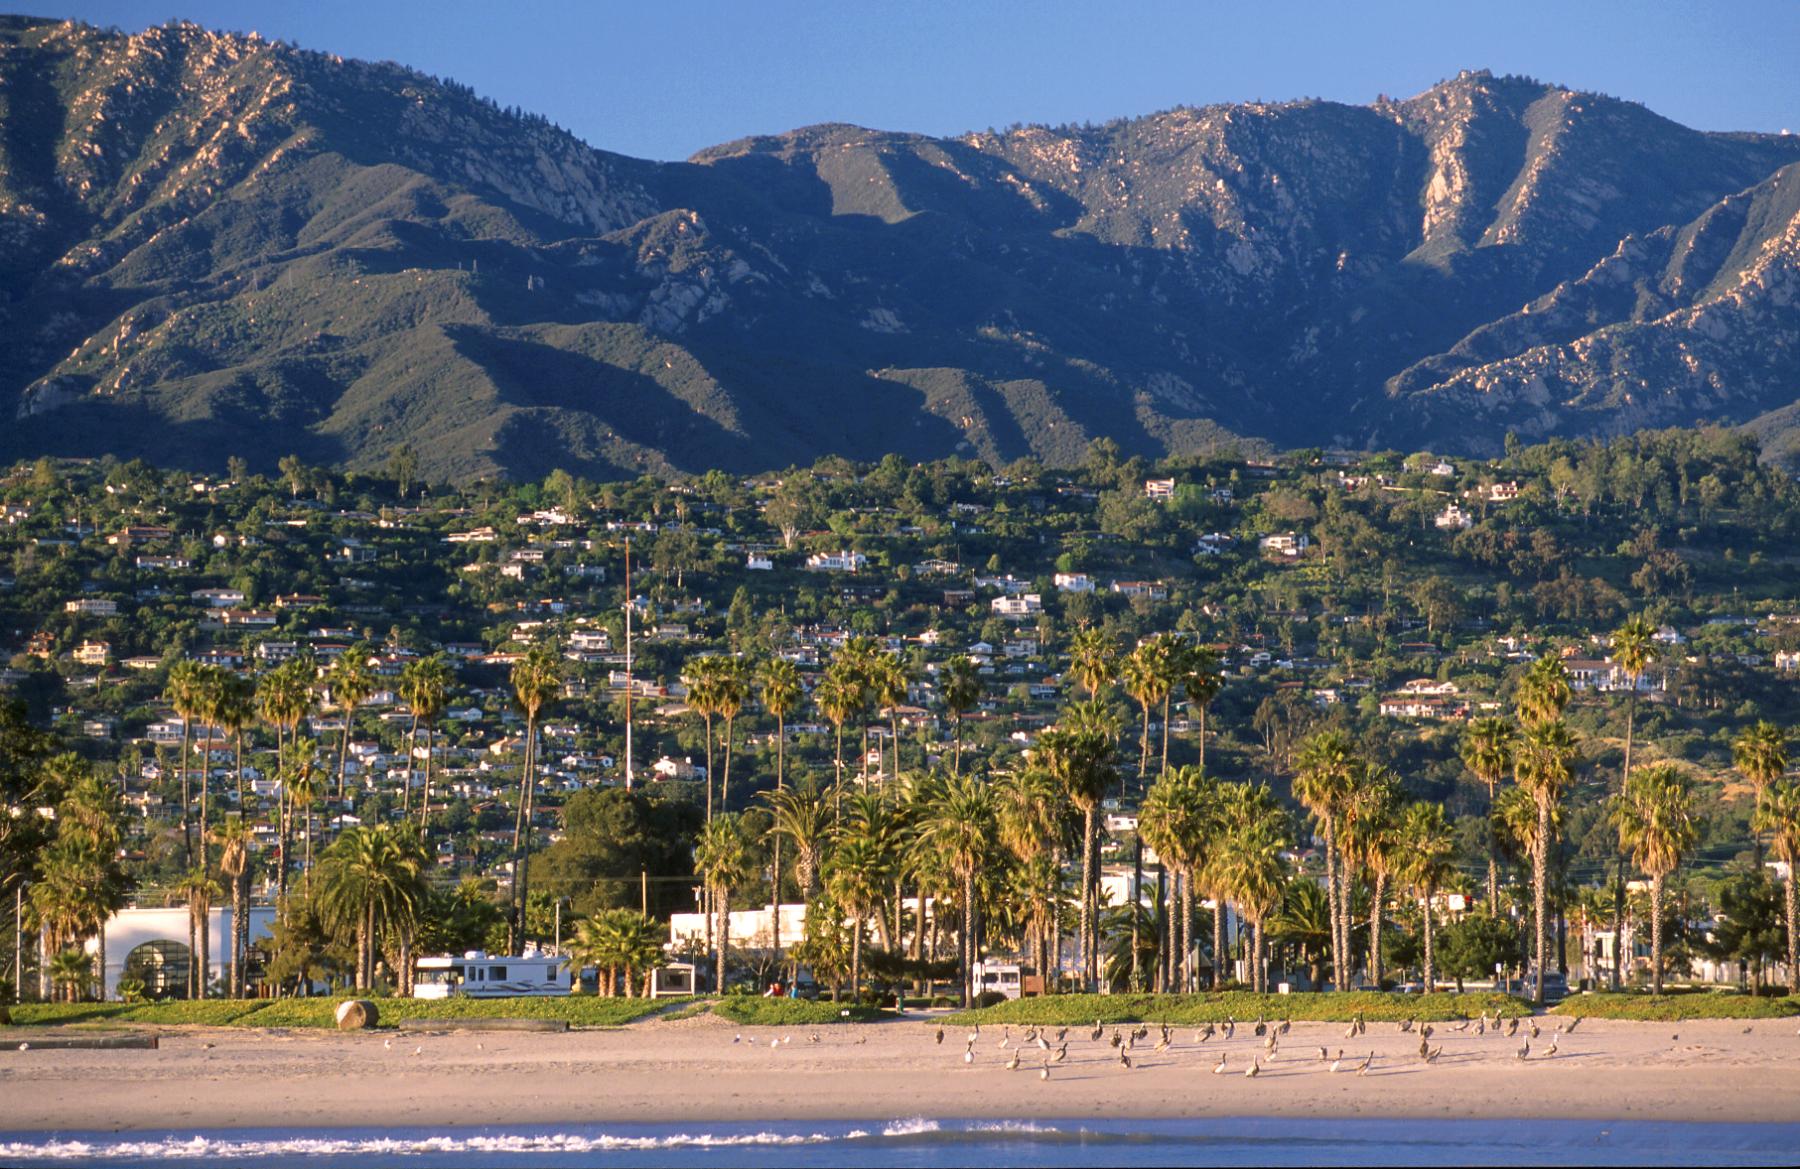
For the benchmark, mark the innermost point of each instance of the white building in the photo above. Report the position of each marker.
(152, 945)
(1454, 519)
(1018, 608)
(1074, 582)
(1284, 543)
(837, 562)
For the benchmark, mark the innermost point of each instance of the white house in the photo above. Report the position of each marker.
(1074, 582)
(1284, 543)
(757, 562)
(1017, 608)
(1159, 489)
(151, 945)
(1454, 519)
(837, 562)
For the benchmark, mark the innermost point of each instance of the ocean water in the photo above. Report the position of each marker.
(924, 1142)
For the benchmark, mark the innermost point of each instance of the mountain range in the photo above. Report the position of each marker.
(216, 244)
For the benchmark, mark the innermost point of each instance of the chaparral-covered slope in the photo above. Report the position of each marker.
(215, 245)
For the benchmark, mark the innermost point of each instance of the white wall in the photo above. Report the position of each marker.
(128, 929)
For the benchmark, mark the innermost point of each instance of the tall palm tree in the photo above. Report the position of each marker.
(1092, 659)
(781, 694)
(857, 877)
(1778, 814)
(236, 712)
(1253, 871)
(1427, 854)
(198, 890)
(351, 681)
(1543, 768)
(732, 684)
(182, 690)
(1146, 678)
(372, 881)
(1633, 649)
(961, 828)
(425, 685)
(536, 681)
(1033, 823)
(1655, 818)
(723, 858)
(889, 682)
(1078, 753)
(837, 702)
(799, 816)
(235, 841)
(701, 677)
(1201, 679)
(961, 690)
(209, 695)
(1487, 751)
(303, 784)
(1760, 753)
(1372, 840)
(285, 699)
(1180, 820)
(1544, 691)
(1322, 785)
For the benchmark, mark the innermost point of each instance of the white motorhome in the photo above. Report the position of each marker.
(476, 974)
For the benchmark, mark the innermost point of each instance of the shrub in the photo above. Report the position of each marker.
(773, 1012)
(1671, 1008)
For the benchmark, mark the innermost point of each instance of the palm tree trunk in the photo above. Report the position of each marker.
(193, 989)
(856, 933)
(187, 837)
(1656, 965)
(1539, 896)
(1203, 736)
(205, 928)
(425, 797)
(970, 988)
(1218, 942)
(1793, 932)
(1430, 979)
(344, 752)
(1163, 770)
(722, 902)
(1493, 862)
(725, 779)
(1331, 902)
(1087, 898)
(709, 768)
(1375, 929)
(240, 929)
(958, 768)
(1619, 880)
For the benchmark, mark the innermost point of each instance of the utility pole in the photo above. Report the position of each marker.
(628, 682)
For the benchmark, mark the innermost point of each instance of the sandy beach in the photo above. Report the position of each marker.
(708, 1069)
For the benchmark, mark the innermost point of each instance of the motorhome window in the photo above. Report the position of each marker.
(550, 972)
(497, 973)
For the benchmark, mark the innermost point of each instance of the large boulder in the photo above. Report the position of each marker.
(357, 1015)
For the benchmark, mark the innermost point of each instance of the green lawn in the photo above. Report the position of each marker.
(1069, 1010)
(577, 1010)
(1670, 1008)
(760, 1012)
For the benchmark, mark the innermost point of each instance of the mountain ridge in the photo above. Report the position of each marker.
(217, 244)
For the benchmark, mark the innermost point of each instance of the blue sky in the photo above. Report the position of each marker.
(663, 79)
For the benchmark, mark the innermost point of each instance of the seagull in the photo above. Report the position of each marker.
(418, 1051)
(969, 1055)
(387, 1044)
(1254, 1070)
(1362, 1069)
(940, 1036)
(479, 1047)
(774, 1043)
(1012, 1065)
(24, 1047)
(815, 1038)
(1219, 1068)
(737, 1038)
(209, 1046)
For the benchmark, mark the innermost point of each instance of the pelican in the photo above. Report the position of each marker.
(1481, 1027)
(1551, 1050)
(1269, 1043)
(1532, 1028)
(1512, 1026)
(1350, 1031)
(1142, 1031)
(1286, 1026)
(1425, 1030)
(1030, 1035)
(1432, 1055)
(1006, 1039)
(1061, 1034)
(1573, 1023)
(1525, 1049)
(1012, 1065)
(1042, 1043)
(1405, 1026)
(1254, 1070)
(1163, 1043)
(1362, 1069)
(1117, 1039)
(1044, 1072)
(1097, 1030)
(1338, 1062)
(1204, 1034)
(1124, 1060)
(1362, 1024)
(1261, 1027)
(1230, 1026)
(1062, 1053)
(1462, 1026)
(1131, 1041)
(969, 1055)
(1219, 1068)
(940, 1036)
(1424, 1048)
(1324, 1055)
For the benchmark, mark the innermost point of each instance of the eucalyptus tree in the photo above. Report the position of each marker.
(351, 680)
(1427, 855)
(1543, 768)
(1487, 751)
(1633, 649)
(1654, 815)
(960, 690)
(1778, 814)
(536, 681)
(1323, 782)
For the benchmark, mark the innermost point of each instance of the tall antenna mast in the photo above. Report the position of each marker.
(628, 662)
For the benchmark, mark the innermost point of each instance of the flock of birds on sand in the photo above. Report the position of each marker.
(1049, 1048)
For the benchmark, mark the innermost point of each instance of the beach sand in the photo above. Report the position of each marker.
(707, 1069)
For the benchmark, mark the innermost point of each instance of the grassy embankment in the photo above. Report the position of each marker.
(1675, 1007)
(1071, 1010)
(577, 1010)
